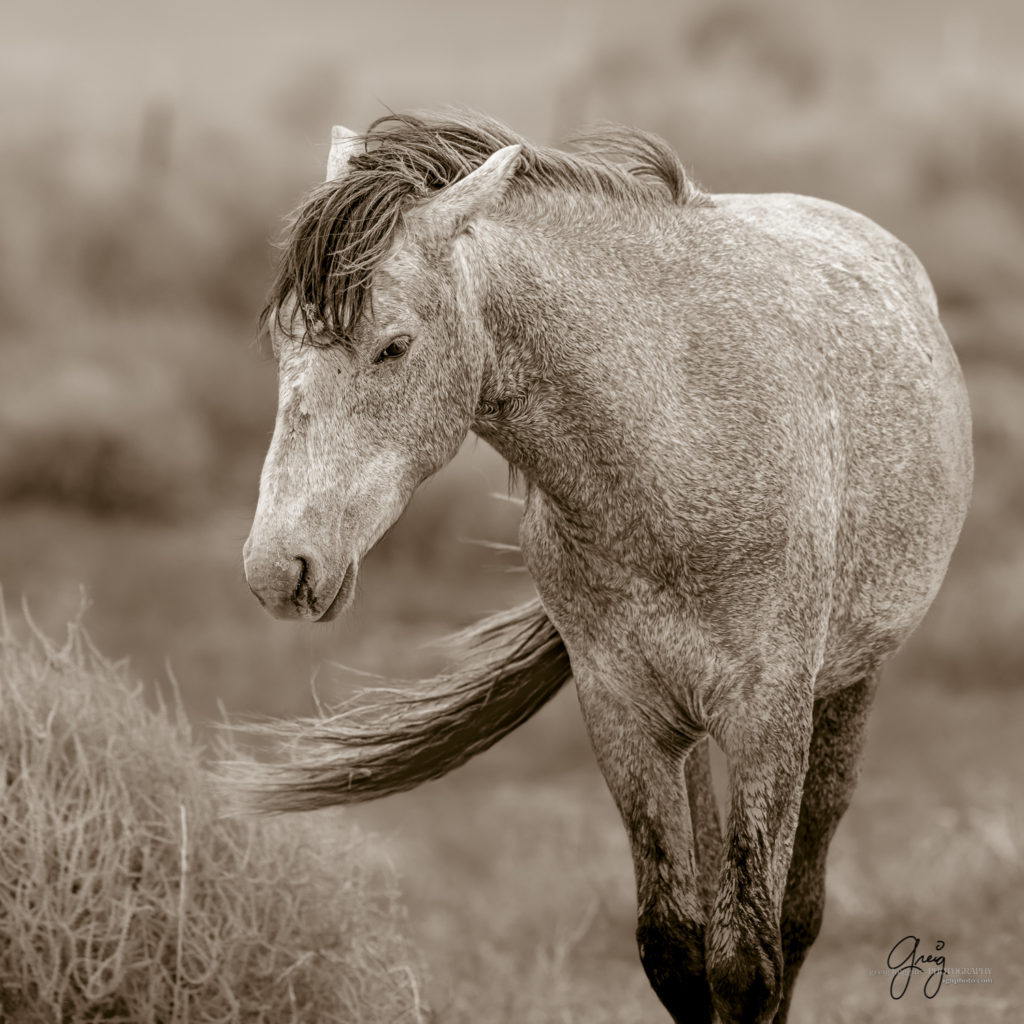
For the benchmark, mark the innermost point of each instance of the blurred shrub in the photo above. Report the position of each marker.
(109, 438)
(771, 43)
(169, 221)
(126, 896)
(129, 286)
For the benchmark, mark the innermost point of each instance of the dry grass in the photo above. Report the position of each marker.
(126, 896)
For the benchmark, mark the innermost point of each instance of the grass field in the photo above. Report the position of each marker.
(147, 157)
(515, 870)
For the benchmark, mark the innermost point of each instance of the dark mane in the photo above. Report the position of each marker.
(345, 228)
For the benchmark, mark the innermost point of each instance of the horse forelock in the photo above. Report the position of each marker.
(345, 228)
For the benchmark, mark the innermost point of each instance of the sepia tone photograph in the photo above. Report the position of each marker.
(511, 514)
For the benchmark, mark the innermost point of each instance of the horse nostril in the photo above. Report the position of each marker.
(302, 595)
(284, 583)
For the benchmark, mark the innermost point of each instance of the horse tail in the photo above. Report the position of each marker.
(388, 740)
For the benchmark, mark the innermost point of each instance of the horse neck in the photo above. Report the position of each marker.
(574, 315)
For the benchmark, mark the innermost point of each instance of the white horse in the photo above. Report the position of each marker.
(746, 445)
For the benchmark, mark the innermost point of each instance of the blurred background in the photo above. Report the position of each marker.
(148, 155)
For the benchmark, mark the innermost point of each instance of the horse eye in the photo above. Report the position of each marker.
(394, 350)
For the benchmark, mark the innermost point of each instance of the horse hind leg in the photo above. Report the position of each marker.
(837, 743)
(645, 773)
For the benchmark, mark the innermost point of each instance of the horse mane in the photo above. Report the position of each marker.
(344, 229)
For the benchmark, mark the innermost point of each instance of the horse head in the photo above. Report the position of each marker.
(379, 371)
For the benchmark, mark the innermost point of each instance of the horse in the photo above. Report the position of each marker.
(745, 443)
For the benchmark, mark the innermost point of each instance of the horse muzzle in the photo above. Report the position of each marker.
(298, 584)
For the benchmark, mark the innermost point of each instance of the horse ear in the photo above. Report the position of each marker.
(455, 206)
(344, 144)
